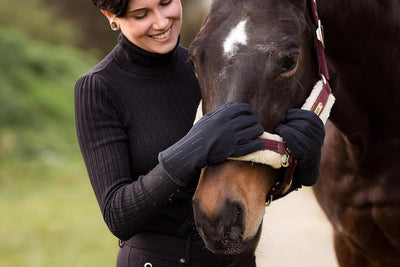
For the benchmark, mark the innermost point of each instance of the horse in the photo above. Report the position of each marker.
(265, 53)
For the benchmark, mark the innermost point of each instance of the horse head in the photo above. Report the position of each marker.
(261, 53)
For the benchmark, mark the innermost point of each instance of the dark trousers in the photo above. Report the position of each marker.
(154, 250)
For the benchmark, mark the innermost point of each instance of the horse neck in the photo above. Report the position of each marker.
(363, 48)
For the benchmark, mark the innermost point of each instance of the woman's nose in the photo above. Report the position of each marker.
(161, 21)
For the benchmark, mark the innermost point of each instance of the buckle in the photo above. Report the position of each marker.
(323, 78)
(285, 158)
(287, 187)
(269, 200)
(320, 35)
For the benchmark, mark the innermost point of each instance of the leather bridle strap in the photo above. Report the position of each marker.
(322, 66)
(319, 42)
(320, 101)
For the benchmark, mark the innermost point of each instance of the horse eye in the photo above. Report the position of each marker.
(289, 62)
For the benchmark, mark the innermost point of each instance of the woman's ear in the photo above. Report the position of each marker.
(114, 24)
(110, 16)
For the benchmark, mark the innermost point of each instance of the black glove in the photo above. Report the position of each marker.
(230, 130)
(304, 134)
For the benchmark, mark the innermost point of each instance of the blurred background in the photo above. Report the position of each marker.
(48, 213)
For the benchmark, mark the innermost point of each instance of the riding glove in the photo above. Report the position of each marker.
(230, 130)
(304, 134)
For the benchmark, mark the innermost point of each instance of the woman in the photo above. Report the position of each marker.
(134, 118)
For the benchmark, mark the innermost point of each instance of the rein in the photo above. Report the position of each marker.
(275, 153)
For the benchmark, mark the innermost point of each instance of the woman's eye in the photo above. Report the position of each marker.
(165, 2)
(289, 62)
(140, 15)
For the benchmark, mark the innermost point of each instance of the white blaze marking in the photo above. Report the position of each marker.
(236, 37)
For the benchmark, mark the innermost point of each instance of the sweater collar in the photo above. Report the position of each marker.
(132, 54)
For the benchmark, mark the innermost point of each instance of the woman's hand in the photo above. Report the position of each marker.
(304, 134)
(230, 130)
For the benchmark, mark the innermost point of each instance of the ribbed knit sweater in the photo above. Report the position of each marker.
(128, 108)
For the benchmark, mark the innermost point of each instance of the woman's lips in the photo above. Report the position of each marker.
(162, 35)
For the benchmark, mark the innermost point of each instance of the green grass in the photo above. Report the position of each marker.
(50, 217)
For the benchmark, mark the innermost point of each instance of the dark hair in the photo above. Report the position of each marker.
(117, 7)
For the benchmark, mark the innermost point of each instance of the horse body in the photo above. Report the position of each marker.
(262, 52)
(361, 200)
(359, 182)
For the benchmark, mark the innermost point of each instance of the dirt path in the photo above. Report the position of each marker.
(296, 233)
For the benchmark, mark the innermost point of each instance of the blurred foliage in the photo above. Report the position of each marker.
(37, 21)
(38, 69)
(95, 32)
(36, 96)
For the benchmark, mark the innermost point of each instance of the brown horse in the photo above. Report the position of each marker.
(262, 52)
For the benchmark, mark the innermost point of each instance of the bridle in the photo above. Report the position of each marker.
(320, 101)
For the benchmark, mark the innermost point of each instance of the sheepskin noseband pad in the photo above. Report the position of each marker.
(320, 101)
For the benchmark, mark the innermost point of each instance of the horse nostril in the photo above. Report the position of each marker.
(223, 230)
(233, 219)
(234, 215)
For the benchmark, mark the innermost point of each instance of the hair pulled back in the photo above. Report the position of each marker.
(116, 7)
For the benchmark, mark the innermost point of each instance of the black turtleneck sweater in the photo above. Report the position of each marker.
(128, 108)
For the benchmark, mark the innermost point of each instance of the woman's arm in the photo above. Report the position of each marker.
(126, 202)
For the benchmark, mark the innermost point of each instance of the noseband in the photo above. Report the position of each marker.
(320, 101)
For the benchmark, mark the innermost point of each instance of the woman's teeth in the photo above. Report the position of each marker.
(162, 36)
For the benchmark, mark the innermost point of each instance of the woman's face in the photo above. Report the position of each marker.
(153, 25)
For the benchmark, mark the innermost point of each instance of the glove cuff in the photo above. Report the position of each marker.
(180, 173)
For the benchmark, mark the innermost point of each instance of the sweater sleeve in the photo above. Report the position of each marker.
(126, 202)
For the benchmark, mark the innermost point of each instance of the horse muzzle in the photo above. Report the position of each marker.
(222, 233)
(229, 206)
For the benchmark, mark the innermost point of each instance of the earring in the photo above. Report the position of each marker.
(114, 26)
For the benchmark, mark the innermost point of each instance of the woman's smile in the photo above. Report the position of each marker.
(162, 37)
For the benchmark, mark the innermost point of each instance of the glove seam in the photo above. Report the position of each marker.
(172, 177)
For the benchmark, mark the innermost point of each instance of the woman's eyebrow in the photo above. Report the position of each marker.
(137, 10)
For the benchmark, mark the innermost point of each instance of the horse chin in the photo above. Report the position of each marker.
(233, 249)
